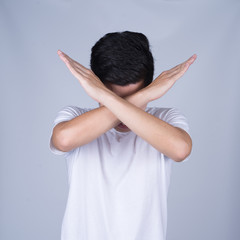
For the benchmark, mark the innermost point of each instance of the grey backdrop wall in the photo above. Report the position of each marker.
(204, 197)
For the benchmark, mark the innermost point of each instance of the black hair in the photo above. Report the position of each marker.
(123, 58)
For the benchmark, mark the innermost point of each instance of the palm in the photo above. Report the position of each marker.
(88, 80)
(167, 78)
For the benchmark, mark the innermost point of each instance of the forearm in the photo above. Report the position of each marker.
(169, 140)
(90, 125)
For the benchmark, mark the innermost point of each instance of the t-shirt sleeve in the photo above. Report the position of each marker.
(65, 114)
(174, 117)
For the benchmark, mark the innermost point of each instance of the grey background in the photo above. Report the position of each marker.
(203, 201)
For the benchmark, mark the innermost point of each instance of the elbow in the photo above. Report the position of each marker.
(184, 150)
(61, 141)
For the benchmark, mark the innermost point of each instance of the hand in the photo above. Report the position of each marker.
(166, 79)
(88, 80)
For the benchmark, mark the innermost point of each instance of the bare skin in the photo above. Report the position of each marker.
(124, 104)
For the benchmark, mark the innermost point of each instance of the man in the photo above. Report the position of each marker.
(119, 155)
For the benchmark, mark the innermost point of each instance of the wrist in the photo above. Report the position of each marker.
(144, 95)
(104, 94)
(139, 99)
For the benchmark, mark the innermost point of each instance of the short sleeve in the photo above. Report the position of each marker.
(177, 119)
(65, 114)
(174, 117)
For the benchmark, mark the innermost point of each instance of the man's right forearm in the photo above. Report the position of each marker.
(90, 125)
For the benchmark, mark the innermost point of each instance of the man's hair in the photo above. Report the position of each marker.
(123, 58)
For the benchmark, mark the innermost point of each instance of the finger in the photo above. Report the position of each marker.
(74, 63)
(63, 56)
(189, 62)
(191, 59)
(177, 69)
(78, 70)
(80, 67)
(184, 66)
(71, 64)
(177, 74)
(68, 61)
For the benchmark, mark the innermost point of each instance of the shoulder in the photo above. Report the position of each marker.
(163, 112)
(172, 116)
(75, 110)
(69, 112)
(65, 114)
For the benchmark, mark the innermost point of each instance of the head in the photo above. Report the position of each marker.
(124, 63)
(123, 58)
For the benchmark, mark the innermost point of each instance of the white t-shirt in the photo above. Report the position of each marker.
(118, 184)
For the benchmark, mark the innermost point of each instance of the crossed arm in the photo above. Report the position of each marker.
(169, 140)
